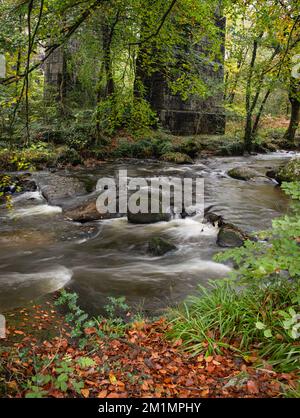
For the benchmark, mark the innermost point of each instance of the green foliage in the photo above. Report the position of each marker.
(118, 112)
(76, 317)
(64, 378)
(116, 305)
(110, 327)
(222, 315)
(258, 305)
(292, 189)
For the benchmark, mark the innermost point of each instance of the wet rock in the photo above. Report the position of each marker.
(243, 173)
(158, 246)
(26, 183)
(85, 210)
(57, 188)
(231, 236)
(213, 218)
(148, 218)
(272, 173)
(22, 183)
(290, 172)
(177, 158)
(247, 173)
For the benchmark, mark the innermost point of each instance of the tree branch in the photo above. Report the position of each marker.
(154, 34)
(49, 51)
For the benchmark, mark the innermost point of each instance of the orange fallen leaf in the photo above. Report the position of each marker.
(102, 394)
(19, 332)
(85, 393)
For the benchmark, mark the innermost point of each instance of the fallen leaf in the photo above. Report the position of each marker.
(102, 394)
(85, 392)
(252, 387)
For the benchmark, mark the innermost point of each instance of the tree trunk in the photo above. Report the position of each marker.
(249, 107)
(294, 97)
(107, 36)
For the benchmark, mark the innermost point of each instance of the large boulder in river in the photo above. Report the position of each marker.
(84, 209)
(57, 188)
(158, 246)
(177, 158)
(290, 172)
(230, 236)
(243, 173)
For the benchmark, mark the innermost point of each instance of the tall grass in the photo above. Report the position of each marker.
(241, 319)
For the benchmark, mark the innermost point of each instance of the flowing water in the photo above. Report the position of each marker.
(41, 251)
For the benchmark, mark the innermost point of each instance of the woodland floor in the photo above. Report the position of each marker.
(141, 364)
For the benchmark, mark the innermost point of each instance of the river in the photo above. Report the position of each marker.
(41, 251)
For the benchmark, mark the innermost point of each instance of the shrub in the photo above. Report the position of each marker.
(259, 305)
(116, 112)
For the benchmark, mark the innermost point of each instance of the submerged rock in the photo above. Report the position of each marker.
(26, 238)
(290, 172)
(148, 218)
(158, 246)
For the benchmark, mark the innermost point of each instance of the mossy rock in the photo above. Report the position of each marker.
(177, 158)
(158, 246)
(230, 236)
(290, 172)
(243, 173)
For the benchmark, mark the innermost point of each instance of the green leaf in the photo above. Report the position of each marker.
(268, 333)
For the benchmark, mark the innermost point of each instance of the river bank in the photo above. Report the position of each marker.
(59, 148)
(42, 360)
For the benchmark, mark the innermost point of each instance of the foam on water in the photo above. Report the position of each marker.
(29, 196)
(39, 210)
(54, 279)
(153, 271)
(186, 229)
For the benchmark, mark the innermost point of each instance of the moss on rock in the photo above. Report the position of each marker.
(290, 172)
(177, 158)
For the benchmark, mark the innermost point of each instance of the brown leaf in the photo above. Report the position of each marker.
(252, 387)
(19, 332)
(102, 394)
(85, 393)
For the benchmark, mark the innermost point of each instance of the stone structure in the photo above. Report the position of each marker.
(55, 74)
(195, 115)
(58, 80)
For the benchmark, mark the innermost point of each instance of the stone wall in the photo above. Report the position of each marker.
(55, 74)
(195, 115)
